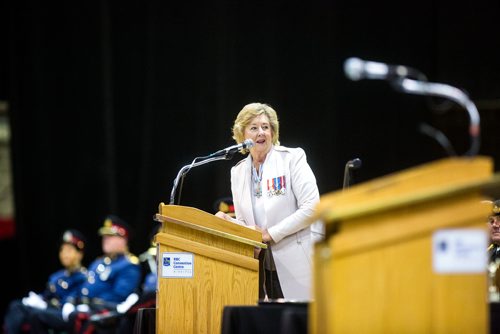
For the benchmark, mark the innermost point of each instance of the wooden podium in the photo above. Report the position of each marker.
(204, 264)
(373, 272)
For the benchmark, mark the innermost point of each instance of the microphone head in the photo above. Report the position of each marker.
(357, 69)
(353, 68)
(354, 163)
(248, 143)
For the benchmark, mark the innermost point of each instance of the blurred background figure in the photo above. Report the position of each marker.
(494, 231)
(62, 286)
(122, 319)
(148, 259)
(494, 251)
(225, 205)
(111, 279)
(147, 295)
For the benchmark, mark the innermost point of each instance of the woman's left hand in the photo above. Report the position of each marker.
(266, 237)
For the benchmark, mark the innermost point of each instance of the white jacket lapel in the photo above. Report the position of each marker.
(245, 191)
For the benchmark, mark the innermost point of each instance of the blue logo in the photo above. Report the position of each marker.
(443, 246)
(166, 261)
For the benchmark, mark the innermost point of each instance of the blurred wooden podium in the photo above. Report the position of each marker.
(204, 264)
(373, 272)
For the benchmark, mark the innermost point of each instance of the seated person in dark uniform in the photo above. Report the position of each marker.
(112, 278)
(225, 204)
(494, 229)
(122, 319)
(62, 285)
(494, 252)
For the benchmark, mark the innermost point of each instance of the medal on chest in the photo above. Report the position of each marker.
(276, 186)
(257, 181)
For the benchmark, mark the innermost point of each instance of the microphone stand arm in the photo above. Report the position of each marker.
(347, 176)
(458, 96)
(184, 170)
(351, 164)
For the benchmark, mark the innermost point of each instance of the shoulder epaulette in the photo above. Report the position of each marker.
(132, 258)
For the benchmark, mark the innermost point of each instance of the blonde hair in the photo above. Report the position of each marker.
(247, 114)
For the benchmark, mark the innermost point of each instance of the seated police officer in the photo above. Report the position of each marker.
(111, 279)
(63, 285)
(122, 319)
(225, 205)
(494, 251)
(494, 229)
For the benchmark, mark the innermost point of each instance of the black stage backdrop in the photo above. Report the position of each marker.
(109, 99)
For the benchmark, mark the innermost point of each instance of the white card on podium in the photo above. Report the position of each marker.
(177, 265)
(459, 251)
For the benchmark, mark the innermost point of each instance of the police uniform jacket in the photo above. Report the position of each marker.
(291, 195)
(493, 252)
(64, 285)
(111, 280)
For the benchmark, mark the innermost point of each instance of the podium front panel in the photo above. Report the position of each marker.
(220, 271)
(374, 273)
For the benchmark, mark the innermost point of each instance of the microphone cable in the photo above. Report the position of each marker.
(438, 136)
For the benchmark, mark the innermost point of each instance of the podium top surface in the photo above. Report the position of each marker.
(203, 221)
(425, 182)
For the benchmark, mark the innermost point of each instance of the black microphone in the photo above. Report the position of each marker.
(354, 163)
(357, 69)
(350, 165)
(233, 149)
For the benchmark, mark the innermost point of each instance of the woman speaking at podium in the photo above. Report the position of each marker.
(275, 190)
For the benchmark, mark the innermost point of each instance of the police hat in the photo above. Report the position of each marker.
(75, 238)
(114, 225)
(496, 208)
(225, 205)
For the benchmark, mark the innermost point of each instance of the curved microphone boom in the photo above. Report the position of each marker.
(235, 148)
(454, 94)
(225, 154)
(401, 78)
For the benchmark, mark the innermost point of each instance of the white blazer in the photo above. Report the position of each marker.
(286, 211)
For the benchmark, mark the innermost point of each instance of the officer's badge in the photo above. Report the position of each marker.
(496, 207)
(108, 223)
(67, 236)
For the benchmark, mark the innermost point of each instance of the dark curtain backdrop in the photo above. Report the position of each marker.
(109, 99)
